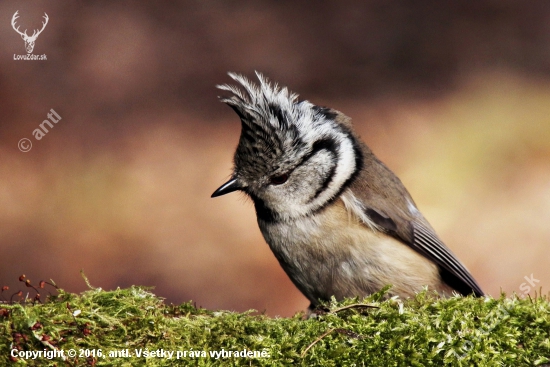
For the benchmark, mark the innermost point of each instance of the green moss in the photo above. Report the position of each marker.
(425, 331)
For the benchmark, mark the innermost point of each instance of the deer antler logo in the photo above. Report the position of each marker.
(29, 40)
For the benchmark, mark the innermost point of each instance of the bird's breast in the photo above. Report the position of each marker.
(333, 253)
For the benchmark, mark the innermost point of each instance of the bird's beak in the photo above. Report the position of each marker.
(230, 186)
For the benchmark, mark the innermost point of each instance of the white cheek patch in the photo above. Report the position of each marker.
(345, 168)
(301, 203)
(295, 196)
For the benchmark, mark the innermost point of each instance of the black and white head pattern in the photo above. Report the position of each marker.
(293, 157)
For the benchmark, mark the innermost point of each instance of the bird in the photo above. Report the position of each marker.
(338, 220)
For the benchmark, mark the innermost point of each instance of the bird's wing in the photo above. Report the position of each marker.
(389, 206)
(425, 241)
(454, 273)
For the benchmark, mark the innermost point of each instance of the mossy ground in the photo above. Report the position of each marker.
(425, 331)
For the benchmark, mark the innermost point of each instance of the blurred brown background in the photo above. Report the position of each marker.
(454, 96)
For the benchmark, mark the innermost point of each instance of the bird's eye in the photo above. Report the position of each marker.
(279, 180)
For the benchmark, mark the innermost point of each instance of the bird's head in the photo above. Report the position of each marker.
(293, 156)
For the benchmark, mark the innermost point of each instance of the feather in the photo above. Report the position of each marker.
(388, 204)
